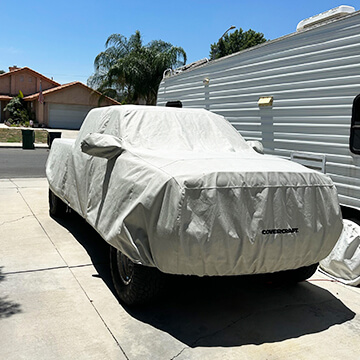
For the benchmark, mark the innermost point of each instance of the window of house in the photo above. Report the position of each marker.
(355, 127)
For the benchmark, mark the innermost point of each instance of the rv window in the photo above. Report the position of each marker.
(355, 127)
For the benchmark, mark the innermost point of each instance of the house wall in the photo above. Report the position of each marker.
(5, 85)
(39, 111)
(23, 80)
(29, 83)
(76, 95)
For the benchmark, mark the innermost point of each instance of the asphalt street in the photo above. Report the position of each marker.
(19, 163)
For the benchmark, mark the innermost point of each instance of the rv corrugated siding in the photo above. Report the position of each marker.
(313, 76)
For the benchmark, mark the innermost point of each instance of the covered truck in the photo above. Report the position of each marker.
(179, 191)
(300, 96)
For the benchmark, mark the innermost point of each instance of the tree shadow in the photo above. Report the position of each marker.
(7, 307)
(224, 311)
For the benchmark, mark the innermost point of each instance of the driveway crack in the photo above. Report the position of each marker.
(12, 221)
(232, 323)
(174, 357)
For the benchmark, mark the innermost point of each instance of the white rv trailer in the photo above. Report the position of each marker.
(295, 94)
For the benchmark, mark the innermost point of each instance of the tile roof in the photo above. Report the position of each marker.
(5, 97)
(58, 87)
(62, 87)
(29, 70)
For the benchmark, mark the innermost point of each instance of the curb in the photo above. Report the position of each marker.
(19, 146)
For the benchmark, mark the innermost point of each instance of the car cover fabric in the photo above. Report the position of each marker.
(343, 263)
(101, 145)
(188, 195)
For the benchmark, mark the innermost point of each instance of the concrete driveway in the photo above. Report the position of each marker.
(57, 302)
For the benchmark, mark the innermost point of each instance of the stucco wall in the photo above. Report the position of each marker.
(76, 95)
(25, 81)
(39, 111)
(72, 95)
(5, 85)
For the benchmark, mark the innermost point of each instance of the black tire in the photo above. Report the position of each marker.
(296, 275)
(57, 208)
(134, 284)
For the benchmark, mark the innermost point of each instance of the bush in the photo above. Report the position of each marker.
(19, 115)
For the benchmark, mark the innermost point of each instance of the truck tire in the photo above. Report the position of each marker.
(57, 208)
(134, 284)
(295, 275)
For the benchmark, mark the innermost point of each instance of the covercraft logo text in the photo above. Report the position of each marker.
(280, 231)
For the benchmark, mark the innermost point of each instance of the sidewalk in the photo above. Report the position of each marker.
(57, 302)
(19, 145)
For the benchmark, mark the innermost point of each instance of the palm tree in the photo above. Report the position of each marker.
(130, 71)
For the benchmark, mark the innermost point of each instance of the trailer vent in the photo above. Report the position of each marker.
(312, 161)
(332, 14)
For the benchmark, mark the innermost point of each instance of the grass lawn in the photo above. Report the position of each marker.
(12, 135)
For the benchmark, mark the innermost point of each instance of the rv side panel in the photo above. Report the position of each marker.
(313, 77)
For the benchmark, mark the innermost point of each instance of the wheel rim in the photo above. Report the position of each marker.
(126, 268)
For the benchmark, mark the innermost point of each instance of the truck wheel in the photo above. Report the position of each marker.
(296, 275)
(57, 208)
(134, 284)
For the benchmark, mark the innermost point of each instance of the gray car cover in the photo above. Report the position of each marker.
(180, 189)
(343, 263)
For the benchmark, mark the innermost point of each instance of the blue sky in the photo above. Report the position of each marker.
(61, 39)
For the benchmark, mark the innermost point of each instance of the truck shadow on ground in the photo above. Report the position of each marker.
(243, 310)
(225, 311)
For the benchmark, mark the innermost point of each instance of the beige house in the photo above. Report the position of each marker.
(54, 105)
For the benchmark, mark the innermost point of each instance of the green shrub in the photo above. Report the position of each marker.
(19, 115)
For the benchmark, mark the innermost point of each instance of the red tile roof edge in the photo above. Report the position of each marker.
(64, 86)
(5, 97)
(31, 70)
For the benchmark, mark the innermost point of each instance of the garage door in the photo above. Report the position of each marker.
(67, 116)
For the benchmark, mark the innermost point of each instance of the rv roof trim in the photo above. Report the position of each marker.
(170, 72)
(332, 14)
